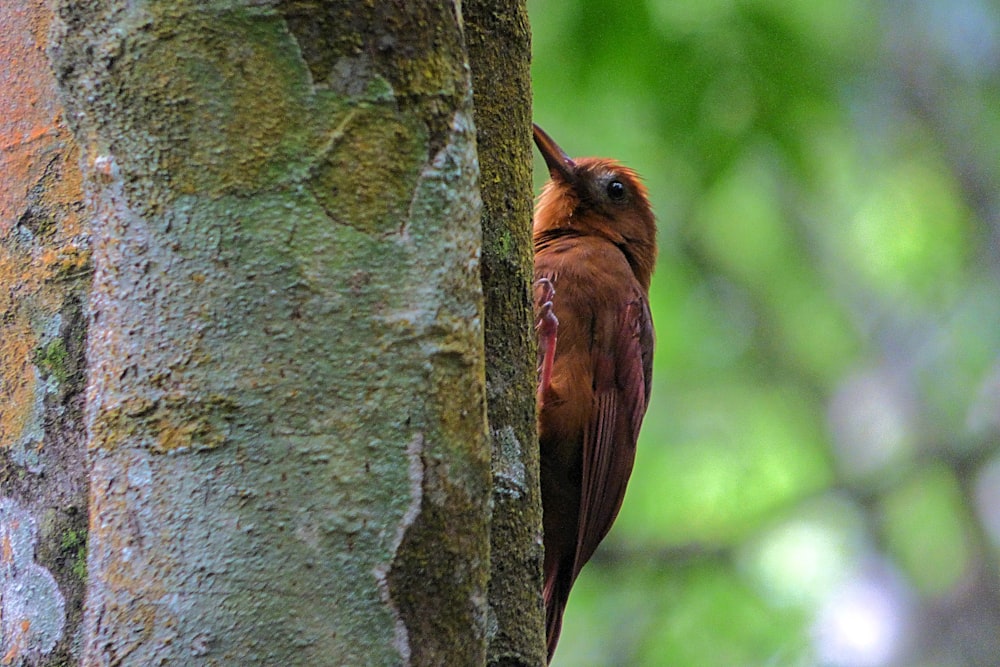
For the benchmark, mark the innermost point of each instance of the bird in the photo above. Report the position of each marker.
(594, 237)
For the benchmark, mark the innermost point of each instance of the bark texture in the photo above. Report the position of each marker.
(286, 394)
(44, 273)
(499, 43)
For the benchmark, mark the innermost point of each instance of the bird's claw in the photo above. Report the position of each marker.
(544, 291)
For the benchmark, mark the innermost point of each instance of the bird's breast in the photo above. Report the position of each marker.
(593, 285)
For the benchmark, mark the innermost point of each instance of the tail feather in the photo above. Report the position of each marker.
(555, 593)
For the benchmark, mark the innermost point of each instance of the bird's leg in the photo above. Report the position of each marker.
(547, 327)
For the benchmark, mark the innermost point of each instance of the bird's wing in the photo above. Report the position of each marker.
(622, 376)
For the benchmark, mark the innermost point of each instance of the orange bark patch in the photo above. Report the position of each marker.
(17, 381)
(29, 107)
(16, 642)
(6, 550)
(40, 206)
(12, 654)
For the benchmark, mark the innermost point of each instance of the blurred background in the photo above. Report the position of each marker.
(818, 477)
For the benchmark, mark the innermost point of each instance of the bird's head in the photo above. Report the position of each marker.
(596, 196)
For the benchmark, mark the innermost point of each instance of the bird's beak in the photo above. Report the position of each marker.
(560, 165)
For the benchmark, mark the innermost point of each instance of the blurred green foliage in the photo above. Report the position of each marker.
(816, 482)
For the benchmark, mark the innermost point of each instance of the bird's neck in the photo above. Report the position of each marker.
(641, 259)
(549, 236)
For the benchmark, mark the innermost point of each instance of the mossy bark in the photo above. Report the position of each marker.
(499, 44)
(289, 456)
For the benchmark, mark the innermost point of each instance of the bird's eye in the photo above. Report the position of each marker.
(616, 191)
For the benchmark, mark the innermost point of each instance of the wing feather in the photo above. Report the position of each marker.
(622, 376)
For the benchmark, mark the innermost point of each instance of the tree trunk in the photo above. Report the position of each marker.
(500, 55)
(285, 419)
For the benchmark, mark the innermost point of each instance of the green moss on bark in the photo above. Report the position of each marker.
(499, 51)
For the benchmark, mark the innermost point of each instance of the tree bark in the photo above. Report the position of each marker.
(286, 391)
(44, 273)
(499, 44)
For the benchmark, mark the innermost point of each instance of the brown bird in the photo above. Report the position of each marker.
(595, 247)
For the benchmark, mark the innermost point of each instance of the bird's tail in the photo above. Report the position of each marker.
(555, 593)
